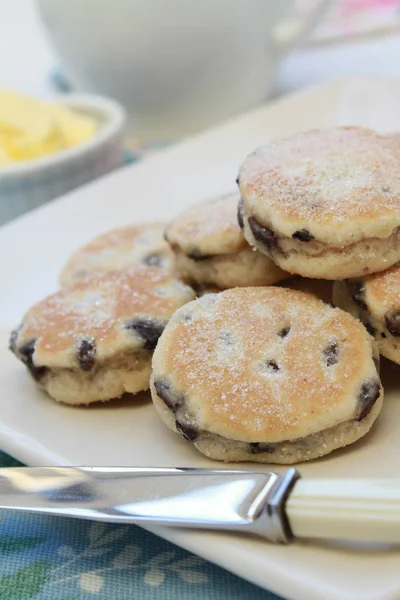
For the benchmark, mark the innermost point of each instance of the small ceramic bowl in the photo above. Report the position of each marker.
(27, 185)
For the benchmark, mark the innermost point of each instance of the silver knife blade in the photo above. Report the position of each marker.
(203, 498)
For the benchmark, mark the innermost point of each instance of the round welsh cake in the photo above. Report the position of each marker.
(141, 244)
(375, 300)
(210, 248)
(266, 374)
(325, 204)
(93, 341)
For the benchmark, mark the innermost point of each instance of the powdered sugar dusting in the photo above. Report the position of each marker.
(345, 177)
(383, 289)
(121, 249)
(210, 227)
(97, 308)
(245, 381)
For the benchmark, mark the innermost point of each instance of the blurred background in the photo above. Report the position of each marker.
(172, 67)
(50, 47)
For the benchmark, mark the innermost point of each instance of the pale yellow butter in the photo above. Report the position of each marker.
(30, 128)
(74, 128)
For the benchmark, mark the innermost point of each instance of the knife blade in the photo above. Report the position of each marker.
(277, 507)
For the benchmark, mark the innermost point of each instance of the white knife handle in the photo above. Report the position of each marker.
(364, 509)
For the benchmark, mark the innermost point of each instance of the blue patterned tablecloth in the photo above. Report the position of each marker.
(57, 558)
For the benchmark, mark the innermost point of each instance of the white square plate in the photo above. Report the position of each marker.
(39, 431)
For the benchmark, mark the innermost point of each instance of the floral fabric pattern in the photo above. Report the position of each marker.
(57, 558)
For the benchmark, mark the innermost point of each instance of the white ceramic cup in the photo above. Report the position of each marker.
(177, 66)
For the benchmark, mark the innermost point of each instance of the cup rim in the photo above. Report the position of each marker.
(114, 120)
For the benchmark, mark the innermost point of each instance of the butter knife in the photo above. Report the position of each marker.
(279, 507)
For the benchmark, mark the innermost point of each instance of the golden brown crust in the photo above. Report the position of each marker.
(209, 227)
(383, 289)
(99, 308)
(341, 184)
(375, 300)
(265, 364)
(210, 247)
(123, 248)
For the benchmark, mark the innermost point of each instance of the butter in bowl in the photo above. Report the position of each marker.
(50, 148)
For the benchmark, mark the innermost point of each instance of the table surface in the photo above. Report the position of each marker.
(51, 558)
(54, 558)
